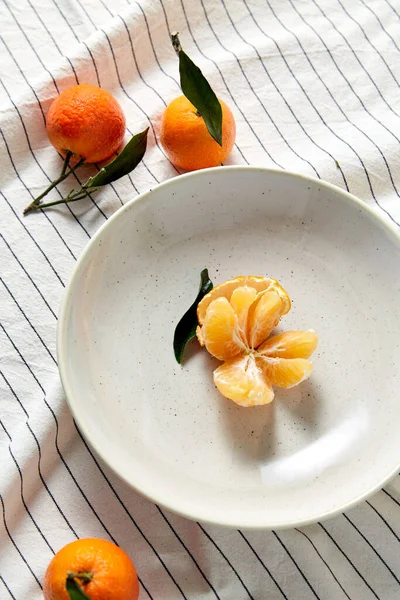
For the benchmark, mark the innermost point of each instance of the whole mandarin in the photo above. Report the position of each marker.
(87, 121)
(113, 573)
(186, 139)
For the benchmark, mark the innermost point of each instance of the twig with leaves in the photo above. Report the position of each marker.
(123, 164)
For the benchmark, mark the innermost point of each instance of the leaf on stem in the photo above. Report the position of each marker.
(74, 590)
(186, 328)
(199, 92)
(123, 164)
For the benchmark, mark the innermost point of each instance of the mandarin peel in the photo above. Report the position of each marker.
(236, 320)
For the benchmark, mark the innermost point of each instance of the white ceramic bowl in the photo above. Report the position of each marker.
(318, 448)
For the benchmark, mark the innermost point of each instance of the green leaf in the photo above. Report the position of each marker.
(197, 89)
(186, 328)
(123, 164)
(74, 590)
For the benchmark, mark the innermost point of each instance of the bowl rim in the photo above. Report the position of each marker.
(73, 403)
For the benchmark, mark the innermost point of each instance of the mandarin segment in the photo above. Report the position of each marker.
(220, 330)
(242, 381)
(241, 300)
(264, 315)
(285, 372)
(290, 344)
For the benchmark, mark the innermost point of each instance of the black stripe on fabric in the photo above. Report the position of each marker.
(27, 319)
(137, 65)
(349, 561)
(31, 195)
(208, 536)
(33, 239)
(326, 87)
(188, 551)
(87, 16)
(129, 514)
(152, 44)
(219, 71)
(27, 274)
(40, 455)
(7, 588)
(383, 519)
(52, 38)
(390, 496)
(300, 86)
(262, 563)
(5, 431)
(94, 63)
(328, 90)
(31, 45)
(372, 548)
(345, 116)
(107, 9)
(363, 68)
(296, 565)
(380, 23)
(56, 4)
(22, 490)
(390, 6)
(262, 63)
(255, 93)
(324, 561)
(25, 78)
(372, 46)
(15, 545)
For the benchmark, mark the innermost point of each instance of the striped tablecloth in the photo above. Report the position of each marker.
(314, 86)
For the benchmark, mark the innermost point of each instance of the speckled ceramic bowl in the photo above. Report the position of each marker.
(317, 449)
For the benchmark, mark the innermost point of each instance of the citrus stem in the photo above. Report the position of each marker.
(176, 43)
(66, 162)
(84, 577)
(73, 196)
(35, 204)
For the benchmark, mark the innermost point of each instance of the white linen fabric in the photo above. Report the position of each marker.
(314, 87)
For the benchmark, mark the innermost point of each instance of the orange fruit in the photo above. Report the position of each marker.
(110, 570)
(87, 121)
(186, 140)
(235, 321)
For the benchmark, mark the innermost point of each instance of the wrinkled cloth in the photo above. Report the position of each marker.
(314, 87)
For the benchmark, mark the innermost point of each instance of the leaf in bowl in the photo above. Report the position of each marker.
(186, 328)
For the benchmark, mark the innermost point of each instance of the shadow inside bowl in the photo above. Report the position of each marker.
(303, 402)
(253, 432)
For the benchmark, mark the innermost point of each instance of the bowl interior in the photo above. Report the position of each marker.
(164, 428)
